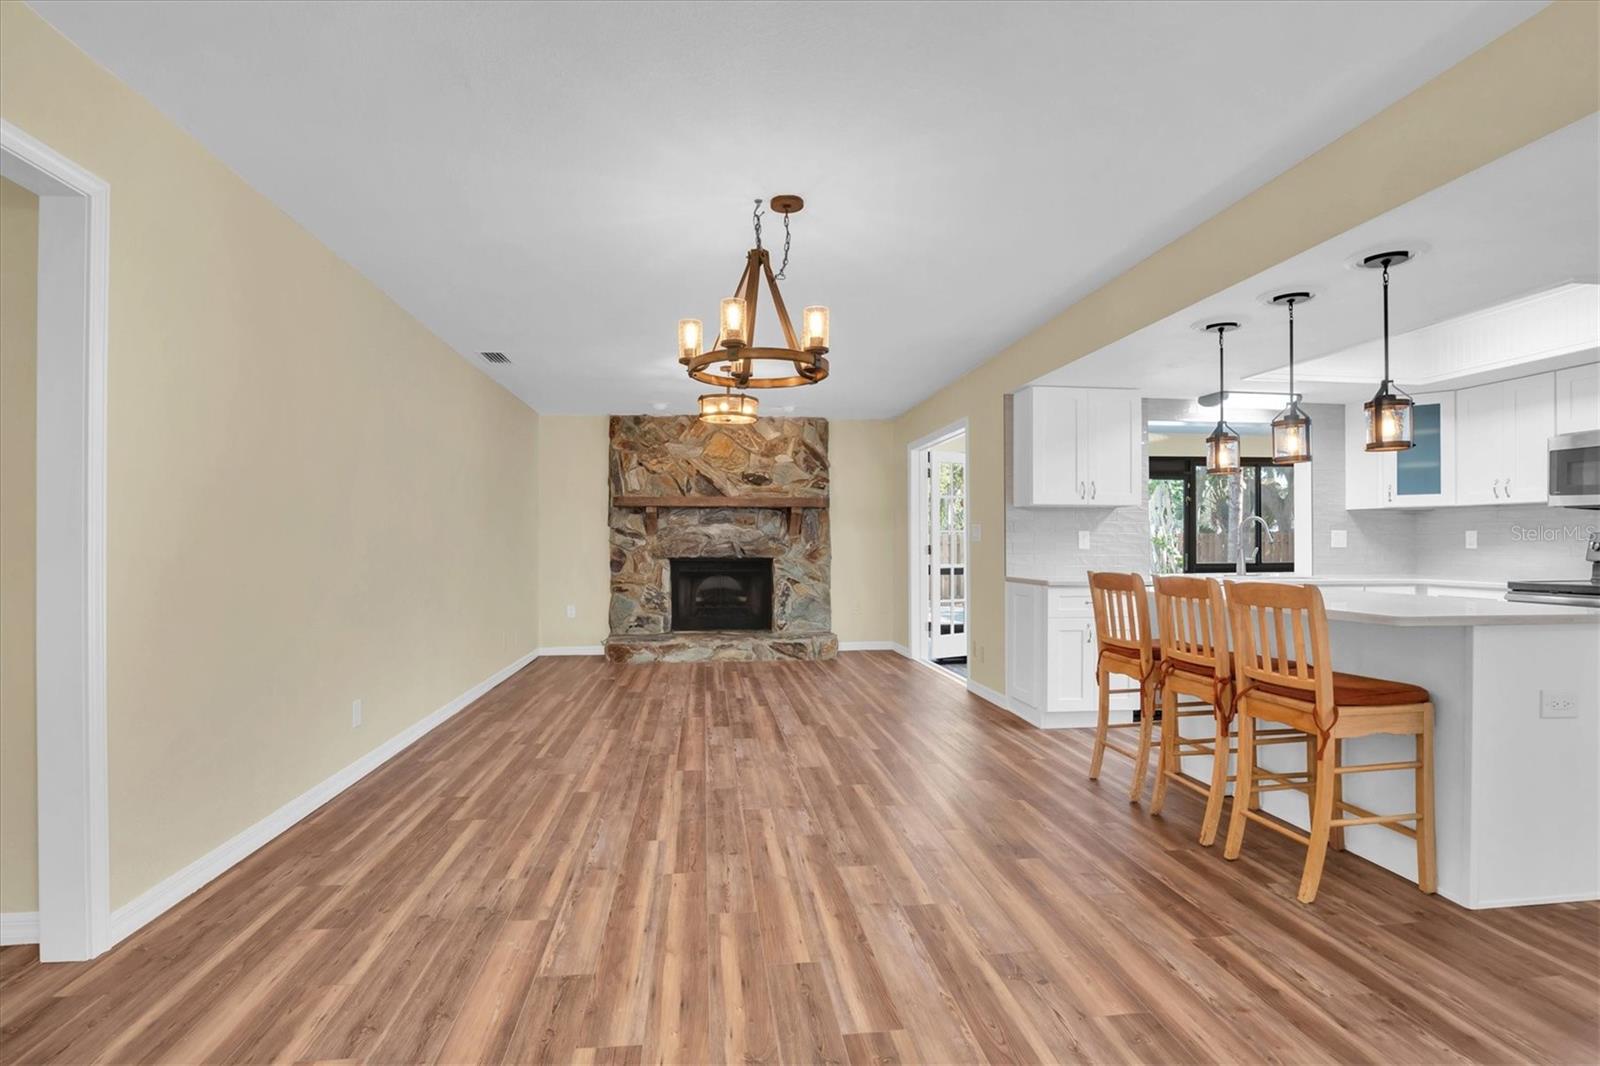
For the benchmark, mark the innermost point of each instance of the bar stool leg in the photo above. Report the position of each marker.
(1336, 836)
(1101, 724)
(1427, 870)
(1166, 758)
(1147, 721)
(1219, 785)
(1243, 787)
(1321, 816)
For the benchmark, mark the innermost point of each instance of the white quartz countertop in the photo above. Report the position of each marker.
(1347, 604)
(1082, 582)
(1385, 608)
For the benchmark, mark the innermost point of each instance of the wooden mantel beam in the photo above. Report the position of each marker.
(776, 503)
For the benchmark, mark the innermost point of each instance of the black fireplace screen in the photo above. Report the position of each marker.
(721, 594)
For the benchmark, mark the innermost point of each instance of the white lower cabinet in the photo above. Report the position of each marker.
(1050, 654)
(1069, 665)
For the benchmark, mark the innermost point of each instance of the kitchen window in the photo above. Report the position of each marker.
(1193, 522)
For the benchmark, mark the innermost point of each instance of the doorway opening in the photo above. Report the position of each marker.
(939, 550)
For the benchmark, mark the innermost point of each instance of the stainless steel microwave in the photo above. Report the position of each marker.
(1575, 469)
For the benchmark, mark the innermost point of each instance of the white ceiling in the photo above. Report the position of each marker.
(563, 182)
(1524, 224)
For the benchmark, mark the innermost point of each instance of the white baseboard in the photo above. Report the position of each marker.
(19, 927)
(162, 897)
(1531, 901)
(870, 645)
(575, 649)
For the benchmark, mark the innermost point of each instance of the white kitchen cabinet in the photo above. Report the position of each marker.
(1363, 474)
(1504, 431)
(1025, 644)
(1070, 665)
(1578, 399)
(1075, 447)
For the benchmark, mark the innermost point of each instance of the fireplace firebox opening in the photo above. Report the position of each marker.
(721, 594)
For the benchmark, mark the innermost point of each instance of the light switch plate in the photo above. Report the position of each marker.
(975, 534)
(1083, 540)
(1472, 540)
(572, 610)
(1336, 538)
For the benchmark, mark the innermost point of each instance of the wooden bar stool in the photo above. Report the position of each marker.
(1192, 618)
(1122, 633)
(1283, 673)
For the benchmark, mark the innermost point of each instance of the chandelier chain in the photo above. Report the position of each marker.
(755, 218)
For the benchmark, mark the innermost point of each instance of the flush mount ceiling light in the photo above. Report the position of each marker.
(733, 361)
(728, 408)
(1388, 412)
(1222, 447)
(1291, 429)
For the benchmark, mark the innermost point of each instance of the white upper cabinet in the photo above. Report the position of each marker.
(1076, 448)
(1505, 429)
(1578, 399)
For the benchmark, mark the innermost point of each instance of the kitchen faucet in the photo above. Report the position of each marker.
(1244, 528)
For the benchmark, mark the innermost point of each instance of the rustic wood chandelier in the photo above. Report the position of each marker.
(734, 360)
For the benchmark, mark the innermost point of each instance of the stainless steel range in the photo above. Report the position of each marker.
(1569, 593)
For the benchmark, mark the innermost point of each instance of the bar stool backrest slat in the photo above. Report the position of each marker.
(1191, 617)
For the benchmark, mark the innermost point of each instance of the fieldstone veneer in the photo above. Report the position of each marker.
(682, 456)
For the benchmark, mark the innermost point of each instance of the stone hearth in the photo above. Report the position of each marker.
(668, 458)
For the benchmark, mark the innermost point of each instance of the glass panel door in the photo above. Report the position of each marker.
(948, 565)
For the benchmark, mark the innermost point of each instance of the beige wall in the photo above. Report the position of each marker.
(867, 473)
(19, 291)
(1539, 77)
(574, 539)
(867, 487)
(311, 499)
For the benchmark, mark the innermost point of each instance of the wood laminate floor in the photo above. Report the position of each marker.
(797, 862)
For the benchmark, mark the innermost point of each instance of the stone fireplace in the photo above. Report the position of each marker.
(719, 540)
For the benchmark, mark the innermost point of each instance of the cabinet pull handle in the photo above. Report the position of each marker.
(1497, 488)
(1080, 490)
(1091, 490)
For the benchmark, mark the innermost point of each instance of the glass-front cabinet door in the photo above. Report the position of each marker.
(1423, 475)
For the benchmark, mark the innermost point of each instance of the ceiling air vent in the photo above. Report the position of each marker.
(494, 357)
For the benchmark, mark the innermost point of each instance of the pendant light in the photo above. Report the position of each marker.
(728, 408)
(1222, 447)
(1291, 430)
(1389, 411)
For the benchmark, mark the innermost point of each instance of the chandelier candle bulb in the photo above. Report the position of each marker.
(814, 337)
(690, 334)
(733, 322)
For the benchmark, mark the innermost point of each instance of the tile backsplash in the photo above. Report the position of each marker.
(1527, 541)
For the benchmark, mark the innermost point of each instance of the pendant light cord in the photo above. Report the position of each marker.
(1386, 321)
(1222, 394)
(1291, 351)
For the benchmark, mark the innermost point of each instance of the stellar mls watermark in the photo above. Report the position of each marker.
(1549, 533)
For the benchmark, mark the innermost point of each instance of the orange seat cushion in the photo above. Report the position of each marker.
(1355, 690)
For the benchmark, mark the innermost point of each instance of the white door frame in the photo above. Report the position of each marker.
(70, 614)
(937, 648)
(917, 531)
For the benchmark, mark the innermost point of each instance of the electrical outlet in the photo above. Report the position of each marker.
(572, 610)
(1337, 538)
(1472, 540)
(975, 533)
(1554, 704)
(1083, 540)
(355, 713)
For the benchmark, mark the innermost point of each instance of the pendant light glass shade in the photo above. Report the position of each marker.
(1222, 450)
(728, 408)
(734, 330)
(1389, 411)
(1222, 446)
(814, 329)
(691, 333)
(1291, 429)
(1388, 420)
